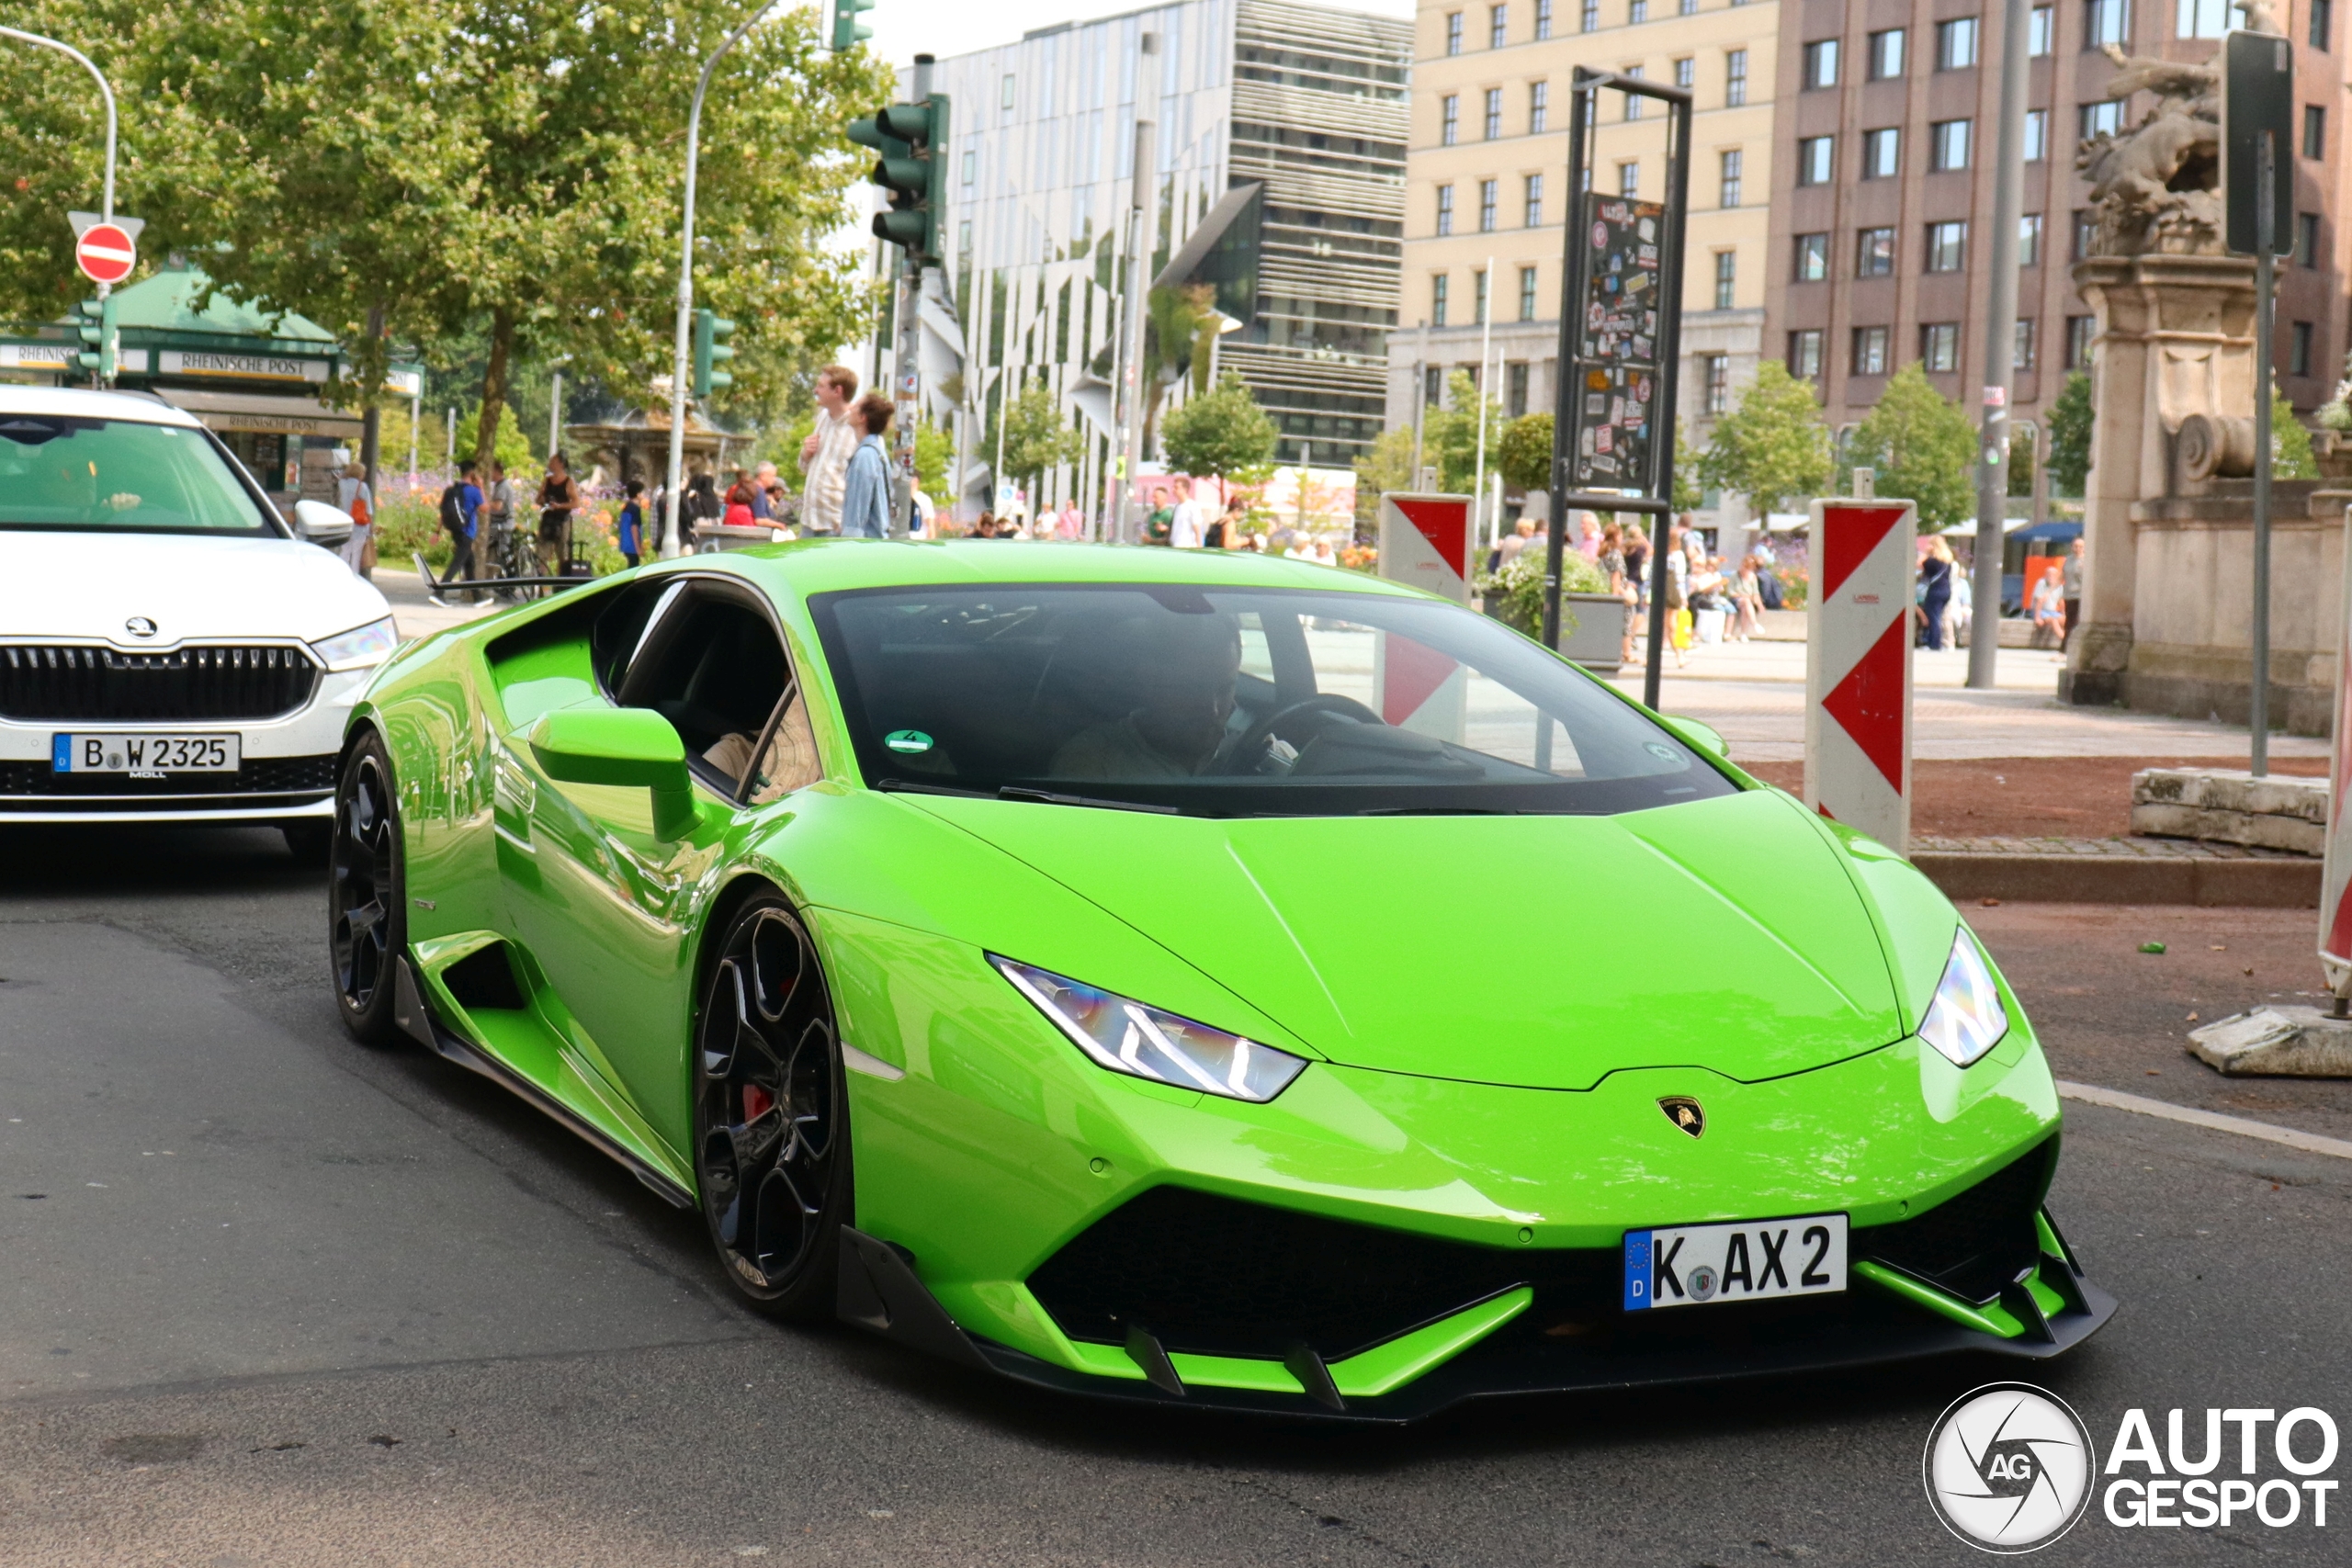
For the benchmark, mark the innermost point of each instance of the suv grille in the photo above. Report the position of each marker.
(102, 684)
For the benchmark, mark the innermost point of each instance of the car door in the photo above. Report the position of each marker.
(606, 908)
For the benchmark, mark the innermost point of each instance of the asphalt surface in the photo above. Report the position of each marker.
(283, 1300)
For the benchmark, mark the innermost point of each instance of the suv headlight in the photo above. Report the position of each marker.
(359, 647)
(1966, 1019)
(1143, 1042)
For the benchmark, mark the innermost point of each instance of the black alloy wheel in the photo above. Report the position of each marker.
(366, 923)
(770, 1119)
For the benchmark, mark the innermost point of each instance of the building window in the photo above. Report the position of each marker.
(1874, 253)
(1539, 107)
(2021, 354)
(1804, 354)
(2105, 22)
(1438, 292)
(2037, 135)
(2080, 330)
(1494, 113)
(1714, 374)
(1686, 73)
(2322, 16)
(1633, 101)
(1527, 294)
(1956, 44)
(1478, 297)
(1453, 32)
(1948, 145)
(1886, 54)
(971, 169)
(1813, 258)
(1449, 120)
(2202, 18)
(1629, 178)
(1816, 160)
(2314, 131)
(1488, 202)
(2104, 119)
(2299, 350)
(1589, 16)
(1882, 154)
(1498, 26)
(1685, 7)
(1947, 247)
(2041, 30)
(2029, 239)
(1940, 346)
(1731, 182)
(1735, 78)
(2307, 238)
(1445, 210)
(1726, 279)
(1515, 390)
(1821, 64)
(1870, 350)
(963, 236)
(1638, 12)
(1535, 201)
(1542, 19)
(2086, 234)
(1433, 385)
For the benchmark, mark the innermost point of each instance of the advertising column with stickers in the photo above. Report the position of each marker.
(1617, 344)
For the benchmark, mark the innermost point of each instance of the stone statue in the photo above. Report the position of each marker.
(2156, 186)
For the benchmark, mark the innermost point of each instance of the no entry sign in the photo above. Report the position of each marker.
(1858, 668)
(105, 253)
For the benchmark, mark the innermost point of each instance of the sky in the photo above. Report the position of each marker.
(901, 28)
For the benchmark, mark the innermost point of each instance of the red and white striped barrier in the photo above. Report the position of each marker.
(1429, 542)
(1863, 557)
(2335, 877)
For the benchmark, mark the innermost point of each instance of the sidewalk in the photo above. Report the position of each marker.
(411, 612)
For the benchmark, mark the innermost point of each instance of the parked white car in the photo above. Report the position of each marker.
(171, 649)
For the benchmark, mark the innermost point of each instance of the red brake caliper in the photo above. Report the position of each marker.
(757, 1101)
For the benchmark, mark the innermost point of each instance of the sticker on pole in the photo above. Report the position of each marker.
(105, 253)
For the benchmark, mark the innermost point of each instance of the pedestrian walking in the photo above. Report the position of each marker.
(1225, 534)
(866, 486)
(1160, 519)
(1621, 585)
(354, 501)
(1071, 524)
(1187, 529)
(1935, 592)
(1589, 536)
(630, 530)
(824, 455)
(559, 500)
(460, 515)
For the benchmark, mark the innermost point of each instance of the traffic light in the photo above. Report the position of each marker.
(710, 331)
(97, 330)
(848, 31)
(911, 139)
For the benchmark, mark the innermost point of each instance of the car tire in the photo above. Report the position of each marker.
(367, 901)
(771, 1114)
(308, 841)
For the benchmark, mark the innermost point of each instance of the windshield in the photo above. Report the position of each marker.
(1234, 703)
(119, 476)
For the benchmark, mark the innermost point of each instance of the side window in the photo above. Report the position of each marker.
(712, 666)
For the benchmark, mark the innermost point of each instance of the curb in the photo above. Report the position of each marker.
(2209, 881)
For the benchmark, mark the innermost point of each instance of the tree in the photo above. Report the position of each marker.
(1220, 433)
(1450, 434)
(1921, 447)
(1525, 453)
(1180, 333)
(1037, 438)
(2070, 435)
(1387, 466)
(2291, 443)
(1773, 448)
(934, 449)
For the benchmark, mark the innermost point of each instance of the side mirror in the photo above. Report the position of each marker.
(322, 523)
(628, 747)
(1700, 734)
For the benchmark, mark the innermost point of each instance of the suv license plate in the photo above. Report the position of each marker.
(155, 755)
(1748, 1260)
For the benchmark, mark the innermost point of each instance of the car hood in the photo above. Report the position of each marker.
(1541, 951)
(194, 589)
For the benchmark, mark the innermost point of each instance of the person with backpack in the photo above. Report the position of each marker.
(460, 513)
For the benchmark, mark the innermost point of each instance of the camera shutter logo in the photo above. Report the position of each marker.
(2009, 1468)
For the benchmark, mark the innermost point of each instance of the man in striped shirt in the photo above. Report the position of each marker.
(824, 455)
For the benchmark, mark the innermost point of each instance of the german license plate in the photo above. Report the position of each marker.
(155, 755)
(1748, 1260)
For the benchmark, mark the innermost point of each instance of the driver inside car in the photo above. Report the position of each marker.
(1180, 670)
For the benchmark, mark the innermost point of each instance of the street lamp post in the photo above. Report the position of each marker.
(2000, 356)
(686, 287)
(106, 199)
(1143, 217)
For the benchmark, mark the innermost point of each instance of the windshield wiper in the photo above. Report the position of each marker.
(1441, 811)
(908, 786)
(1049, 797)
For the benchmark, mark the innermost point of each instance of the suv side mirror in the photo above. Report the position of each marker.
(322, 523)
(629, 747)
(1700, 734)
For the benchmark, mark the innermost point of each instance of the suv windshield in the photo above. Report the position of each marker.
(119, 476)
(1241, 702)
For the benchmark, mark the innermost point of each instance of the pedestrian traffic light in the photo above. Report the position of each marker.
(848, 31)
(711, 330)
(97, 330)
(912, 140)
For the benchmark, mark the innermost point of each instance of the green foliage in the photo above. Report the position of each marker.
(934, 449)
(514, 447)
(1037, 438)
(1773, 449)
(1388, 465)
(1921, 447)
(1688, 494)
(2020, 465)
(1515, 593)
(2291, 443)
(1218, 432)
(2070, 436)
(1526, 453)
(1450, 435)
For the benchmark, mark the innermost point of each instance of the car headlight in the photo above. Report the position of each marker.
(1143, 1042)
(359, 647)
(1966, 1019)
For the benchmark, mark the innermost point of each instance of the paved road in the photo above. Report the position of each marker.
(287, 1301)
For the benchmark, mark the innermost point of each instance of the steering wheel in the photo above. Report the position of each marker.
(1252, 744)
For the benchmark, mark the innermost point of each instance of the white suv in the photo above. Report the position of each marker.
(171, 651)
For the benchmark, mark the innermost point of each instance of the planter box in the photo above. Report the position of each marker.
(1598, 635)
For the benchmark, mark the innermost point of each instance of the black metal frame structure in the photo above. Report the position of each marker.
(1585, 88)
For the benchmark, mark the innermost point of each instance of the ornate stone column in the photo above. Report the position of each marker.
(2174, 349)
